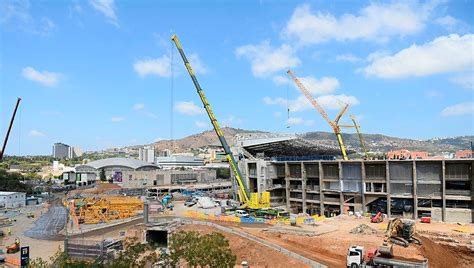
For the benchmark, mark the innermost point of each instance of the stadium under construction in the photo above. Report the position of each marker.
(305, 179)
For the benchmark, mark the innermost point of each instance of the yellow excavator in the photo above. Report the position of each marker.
(247, 200)
(399, 232)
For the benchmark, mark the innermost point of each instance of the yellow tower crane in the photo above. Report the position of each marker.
(334, 124)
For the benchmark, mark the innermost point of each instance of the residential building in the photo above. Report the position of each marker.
(64, 151)
(12, 199)
(463, 154)
(147, 154)
(406, 154)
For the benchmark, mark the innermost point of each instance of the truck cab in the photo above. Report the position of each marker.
(355, 256)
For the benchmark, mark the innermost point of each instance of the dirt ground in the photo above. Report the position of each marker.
(330, 247)
(255, 254)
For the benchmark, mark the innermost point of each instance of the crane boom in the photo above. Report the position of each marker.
(361, 139)
(244, 193)
(9, 128)
(334, 124)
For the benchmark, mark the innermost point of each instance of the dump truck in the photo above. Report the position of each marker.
(356, 258)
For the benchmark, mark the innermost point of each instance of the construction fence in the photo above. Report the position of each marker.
(231, 218)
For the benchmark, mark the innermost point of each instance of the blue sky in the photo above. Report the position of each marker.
(98, 73)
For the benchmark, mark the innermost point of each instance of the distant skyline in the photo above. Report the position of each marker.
(98, 74)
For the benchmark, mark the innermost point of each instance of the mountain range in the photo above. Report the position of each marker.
(374, 142)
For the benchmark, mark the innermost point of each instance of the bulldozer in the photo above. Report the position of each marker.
(399, 232)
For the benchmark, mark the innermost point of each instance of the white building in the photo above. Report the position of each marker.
(147, 154)
(178, 161)
(12, 199)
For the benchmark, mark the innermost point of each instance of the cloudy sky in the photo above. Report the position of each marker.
(104, 73)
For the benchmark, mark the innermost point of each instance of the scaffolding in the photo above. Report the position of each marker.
(93, 210)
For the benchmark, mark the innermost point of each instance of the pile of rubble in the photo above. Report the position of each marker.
(363, 229)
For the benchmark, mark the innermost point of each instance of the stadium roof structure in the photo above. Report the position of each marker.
(287, 146)
(120, 161)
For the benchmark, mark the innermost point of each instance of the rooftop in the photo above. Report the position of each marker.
(9, 193)
(119, 161)
(287, 146)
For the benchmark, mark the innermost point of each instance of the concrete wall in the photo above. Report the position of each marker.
(458, 215)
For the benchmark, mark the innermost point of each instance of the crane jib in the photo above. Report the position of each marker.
(230, 158)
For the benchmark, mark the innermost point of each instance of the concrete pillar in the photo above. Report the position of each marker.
(415, 195)
(341, 196)
(321, 185)
(443, 190)
(145, 213)
(362, 168)
(387, 182)
(304, 177)
(287, 186)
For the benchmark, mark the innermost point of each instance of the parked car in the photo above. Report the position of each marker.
(190, 202)
(241, 213)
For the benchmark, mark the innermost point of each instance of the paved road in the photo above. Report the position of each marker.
(49, 225)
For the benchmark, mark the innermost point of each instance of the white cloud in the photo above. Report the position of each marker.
(295, 121)
(329, 102)
(466, 80)
(36, 133)
(444, 54)
(266, 60)
(448, 22)
(201, 124)
(197, 64)
(314, 85)
(107, 8)
(348, 58)
(231, 121)
(188, 108)
(160, 66)
(117, 119)
(17, 16)
(138, 106)
(463, 108)
(45, 78)
(377, 21)
(277, 114)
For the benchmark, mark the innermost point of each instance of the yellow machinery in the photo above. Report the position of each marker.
(105, 209)
(399, 232)
(334, 124)
(247, 200)
(357, 127)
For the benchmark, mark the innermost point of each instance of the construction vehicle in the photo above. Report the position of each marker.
(9, 129)
(333, 123)
(378, 218)
(357, 259)
(15, 247)
(247, 199)
(399, 232)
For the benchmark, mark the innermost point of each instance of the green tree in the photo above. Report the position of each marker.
(207, 250)
(102, 175)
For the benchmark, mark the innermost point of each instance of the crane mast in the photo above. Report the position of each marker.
(334, 124)
(244, 193)
(361, 139)
(9, 129)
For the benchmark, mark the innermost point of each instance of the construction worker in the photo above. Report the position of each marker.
(17, 240)
(9, 231)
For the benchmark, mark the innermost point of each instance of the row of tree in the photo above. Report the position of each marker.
(186, 248)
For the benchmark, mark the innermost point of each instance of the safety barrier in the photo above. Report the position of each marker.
(230, 218)
(12, 261)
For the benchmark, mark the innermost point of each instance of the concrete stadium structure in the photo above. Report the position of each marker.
(441, 189)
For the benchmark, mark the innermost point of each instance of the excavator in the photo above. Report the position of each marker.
(9, 129)
(399, 232)
(247, 200)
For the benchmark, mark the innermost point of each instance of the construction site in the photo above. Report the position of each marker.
(289, 203)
